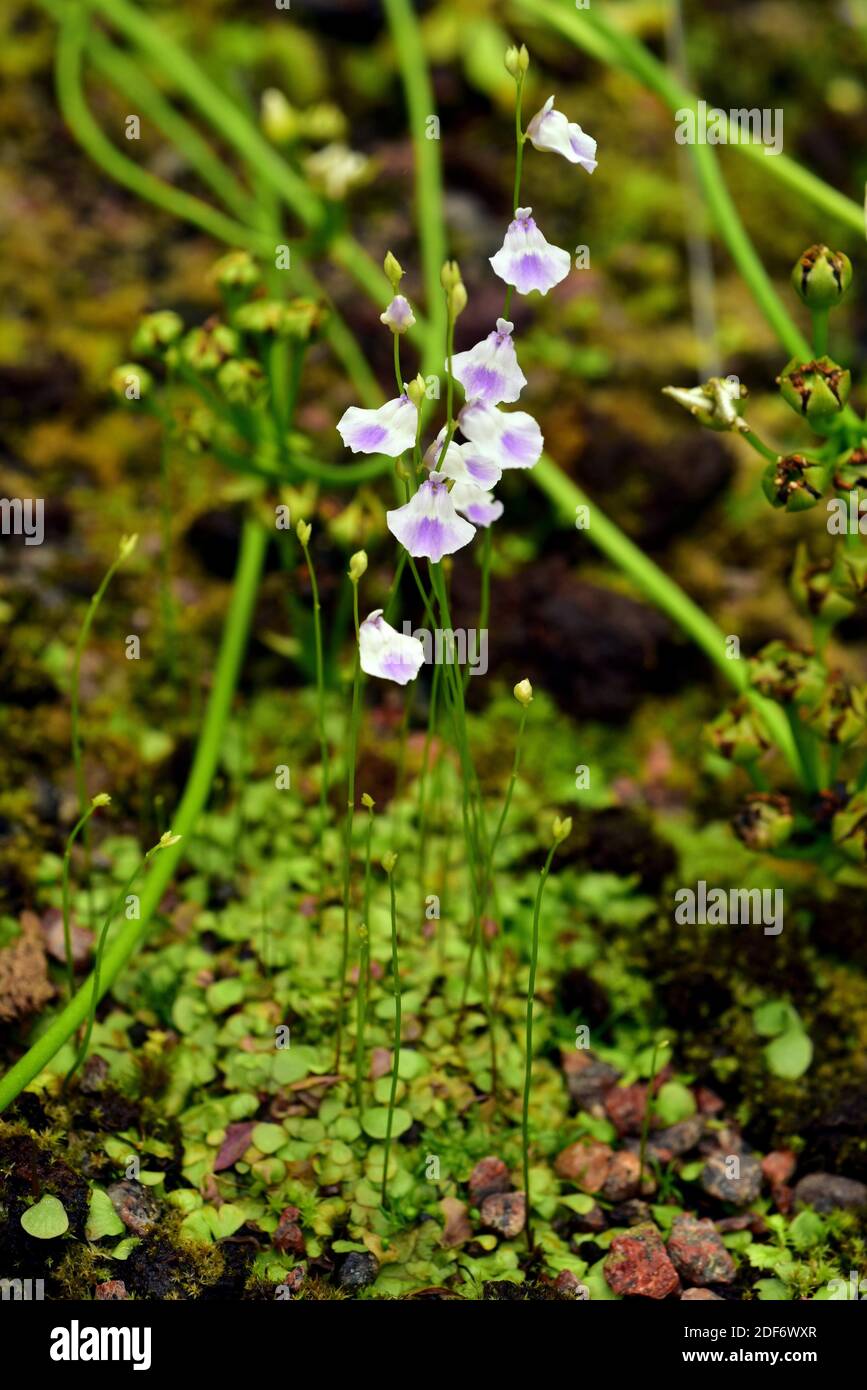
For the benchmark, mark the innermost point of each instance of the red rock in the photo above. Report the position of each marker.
(697, 1252)
(566, 1283)
(708, 1102)
(637, 1264)
(778, 1166)
(457, 1229)
(505, 1213)
(111, 1289)
(288, 1236)
(700, 1296)
(621, 1181)
(489, 1175)
(584, 1163)
(588, 1079)
(625, 1107)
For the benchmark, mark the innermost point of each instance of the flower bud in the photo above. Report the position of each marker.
(817, 390)
(849, 828)
(236, 271)
(242, 382)
(335, 170)
(737, 734)
(561, 829)
(840, 716)
(367, 801)
(715, 404)
(787, 675)
(323, 122)
(398, 316)
(393, 269)
(389, 859)
(156, 332)
(130, 382)
(416, 390)
(167, 839)
(450, 275)
(821, 277)
(101, 799)
(523, 692)
(814, 590)
(302, 531)
(764, 822)
(357, 565)
(279, 120)
(851, 471)
(126, 545)
(849, 574)
(296, 318)
(793, 482)
(207, 348)
(517, 61)
(457, 299)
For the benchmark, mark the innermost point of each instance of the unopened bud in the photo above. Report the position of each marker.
(821, 277)
(357, 565)
(523, 692)
(393, 270)
(817, 390)
(101, 799)
(450, 275)
(457, 299)
(367, 801)
(517, 61)
(156, 332)
(389, 859)
(302, 531)
(127, 545)
(793, 482)
(416, 390)
(562, 829)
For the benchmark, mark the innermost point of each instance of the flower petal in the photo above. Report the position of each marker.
(489, 371)
(511, 438)
(387, 653)
(550, 132)
(389, 430)
(428, 525)
(480, 506)
(527, 261)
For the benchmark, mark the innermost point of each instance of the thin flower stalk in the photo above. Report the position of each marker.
(388, 862)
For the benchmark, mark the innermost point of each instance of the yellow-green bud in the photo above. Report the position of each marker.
(279, 120)
(101, 799)
(167, 839)
(156, 332)
(517, 61)
(562, 829)
(236, 271)
(821, 277)
(131, 382)
(450, 275)
(357, 565)
(523, 692)
(127, 545)
(389, 859)
(393, 269)
(416, 390)
(457, 299)
(302, 531)
(367, 801)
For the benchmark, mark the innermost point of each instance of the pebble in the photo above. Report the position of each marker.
(111, 1289)
(489, 1175)
(621, 1182)
(625, 1106)
(585, 1163)
(677, 1139)
(740, 1190)
(589, 1080)
(828, 1192)
(505, 1213)
(700, 1296)
(638, 1264)
(359, 1269)
(697, 1252)
(135, 1205)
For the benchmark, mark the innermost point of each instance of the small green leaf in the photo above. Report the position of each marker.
(774, 1017)
(268, 1138)
(223, 994)
(674, 1102)
(807, 1229)
(102, 1219)
(789, 1055)
(46, 1219)
(773, 1290)
(374, 1122)
(578, 1201)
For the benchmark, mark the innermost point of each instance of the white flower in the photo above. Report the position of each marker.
(428, 525)
(509, 438)
(387, 653)
(389, 430)
(398, 316)
(336, 169)
(463, 462)
(549, 131)
(480, 506)
(489, 371)
(527, 261)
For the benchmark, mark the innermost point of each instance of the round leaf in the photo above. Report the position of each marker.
(374, 1122)
(789, 1055)
(46, 1219)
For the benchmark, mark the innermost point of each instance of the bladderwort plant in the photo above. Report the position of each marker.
(823, 817)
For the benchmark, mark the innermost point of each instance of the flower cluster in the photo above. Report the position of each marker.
(466, 460)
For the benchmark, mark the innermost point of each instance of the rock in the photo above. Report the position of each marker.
(677, 1139)
(457, 1229)
(288, 1236)
(590, 1222)
(489, 1175)
(569, 1286)
(589, 1080)
(778, 1166)
(505, 1213)
(94, 1074)
(740, 1190)
(625, 1107)
(137, 1208)
(111, 1289)
(621, 1182)
(359, 1269)
(697, 1252)
(828, 1192)
(584, 1163)
(637, 1264)
(708, 1102)
(700, 1296)
(294, 1279)
(631, 1213)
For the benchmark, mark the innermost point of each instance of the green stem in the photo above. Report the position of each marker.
(395, 981)
(320, 705)
(350, 816)
(820, 331)
(64, 890)
(528, 1049)
(81, 642)
(648, 1106)
(519, 162)
(253, 545)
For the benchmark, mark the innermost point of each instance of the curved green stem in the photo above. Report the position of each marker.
(395, 984)
(350, 816)
(528, 1045)
(254, 542)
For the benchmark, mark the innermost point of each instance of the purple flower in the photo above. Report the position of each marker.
(398, 316)
(550, 132)
(480, 506)
(389, 430)
(489, 371)
(527, 261)
(510, 438)
(385, 652)
(428, 524)
(463, 462)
